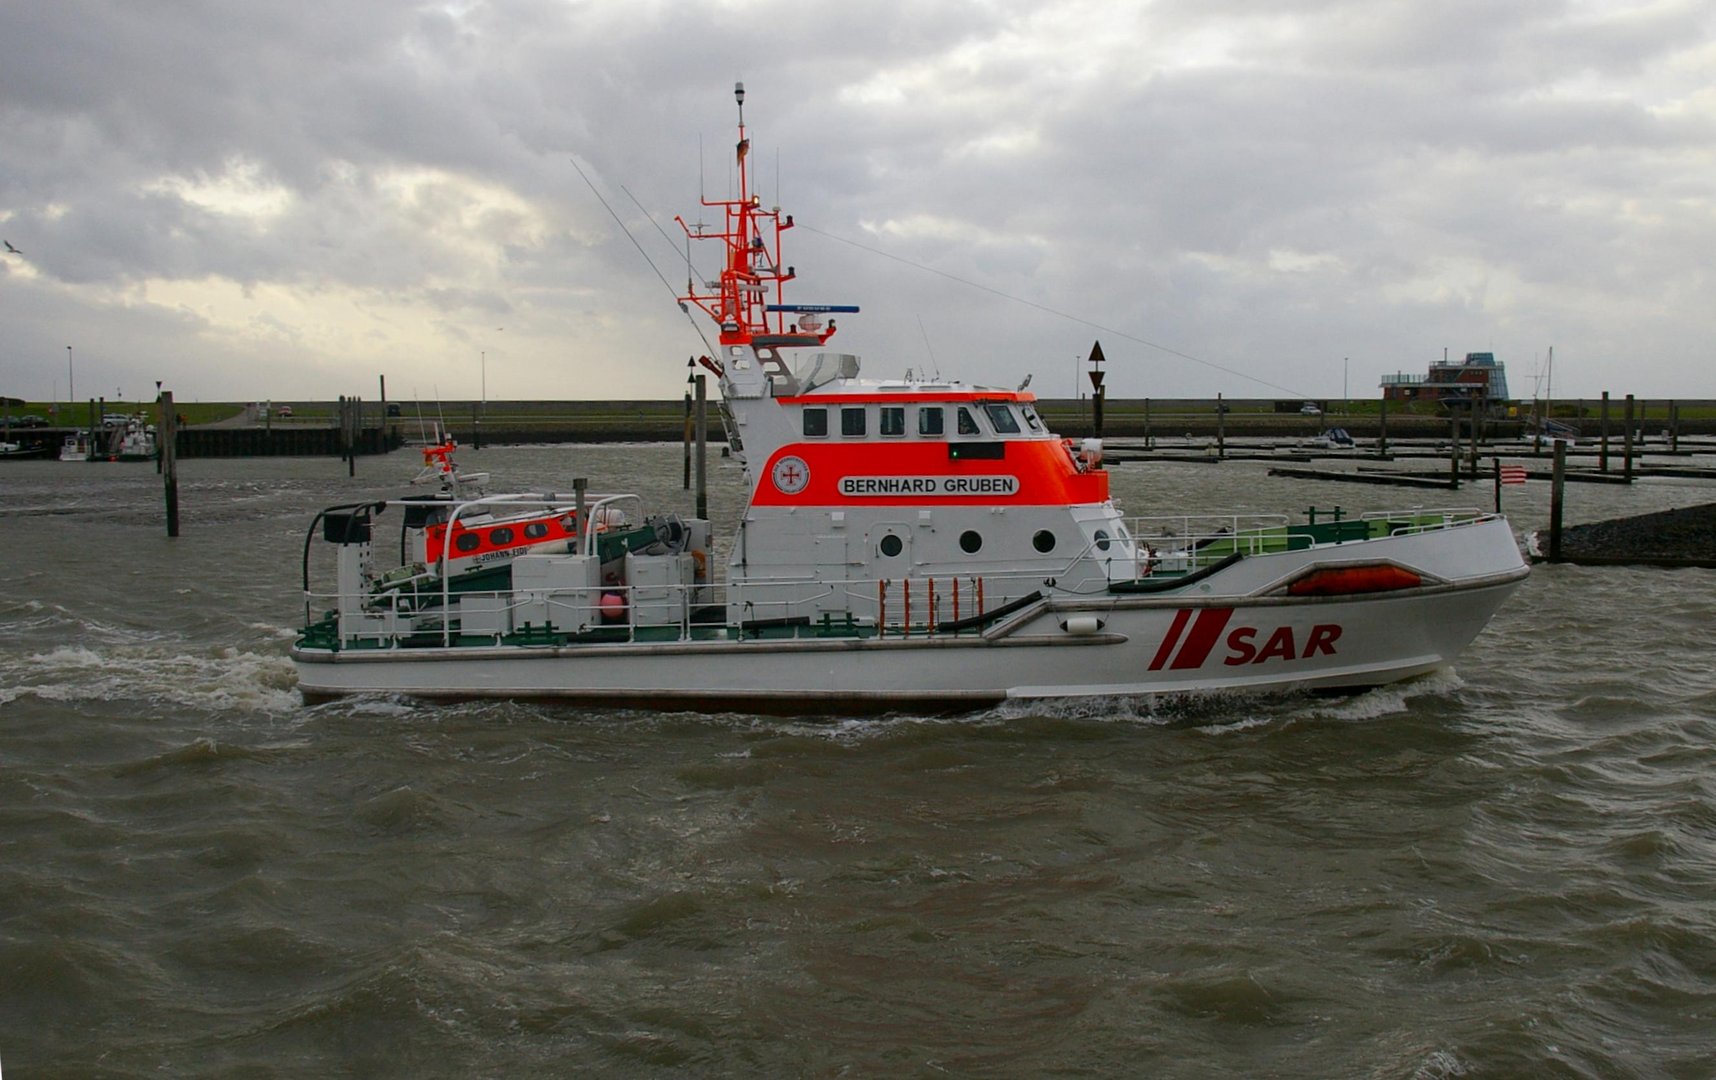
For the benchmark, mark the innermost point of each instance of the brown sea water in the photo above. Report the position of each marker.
(1506, 869)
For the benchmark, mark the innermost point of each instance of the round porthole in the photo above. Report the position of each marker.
(500, 536)
(891, 545)
(1101, 540)
(535, 530)
(1044, 541)
(467, 541)
(970, 542)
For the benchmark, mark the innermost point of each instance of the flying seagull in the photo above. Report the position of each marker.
(10, 250)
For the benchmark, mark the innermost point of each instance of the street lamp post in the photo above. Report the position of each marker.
(483, 410)
(71, 382)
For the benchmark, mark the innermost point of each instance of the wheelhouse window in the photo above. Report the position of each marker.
(815, 423)
(967, 422)
(852, 421)
(929, 420)
(1030, 416)
(1003, 419)
(893, 420)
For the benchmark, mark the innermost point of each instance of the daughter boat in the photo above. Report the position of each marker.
(905, 544)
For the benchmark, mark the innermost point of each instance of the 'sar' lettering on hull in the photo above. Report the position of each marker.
(1192, 638)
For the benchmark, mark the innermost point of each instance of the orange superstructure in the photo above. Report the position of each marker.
(1040, 472)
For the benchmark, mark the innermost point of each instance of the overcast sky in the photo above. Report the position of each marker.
(1259, 198)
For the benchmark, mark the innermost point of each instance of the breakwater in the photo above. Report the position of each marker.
(210, 442)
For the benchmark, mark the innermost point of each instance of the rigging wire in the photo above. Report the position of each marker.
(929, 348)
(671, 290)
(1053, 311)
(691, 270)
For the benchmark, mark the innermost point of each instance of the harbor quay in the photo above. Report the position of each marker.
(313, 428)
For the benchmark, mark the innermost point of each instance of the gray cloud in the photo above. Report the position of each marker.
(267, 199)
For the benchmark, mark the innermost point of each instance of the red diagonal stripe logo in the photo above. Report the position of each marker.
(1211, 622)
(1167, 648)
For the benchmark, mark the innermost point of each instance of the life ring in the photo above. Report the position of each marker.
(701, 563)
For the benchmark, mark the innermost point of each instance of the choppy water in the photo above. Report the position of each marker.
(1504, 870)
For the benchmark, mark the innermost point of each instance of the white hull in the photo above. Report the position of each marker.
(1384, 639)
(1231, 632)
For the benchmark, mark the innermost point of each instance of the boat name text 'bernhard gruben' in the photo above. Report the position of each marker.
(956, 486)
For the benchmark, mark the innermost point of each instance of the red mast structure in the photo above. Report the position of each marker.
(740, 302)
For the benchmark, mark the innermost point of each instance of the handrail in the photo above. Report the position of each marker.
(1164, 584)
(971, 622)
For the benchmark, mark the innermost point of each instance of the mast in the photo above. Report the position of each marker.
(751, 286)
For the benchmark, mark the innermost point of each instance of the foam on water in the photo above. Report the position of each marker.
(216, 680)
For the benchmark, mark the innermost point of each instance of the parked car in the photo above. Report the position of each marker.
(1310, 409)
(284, 410)
(28, 420)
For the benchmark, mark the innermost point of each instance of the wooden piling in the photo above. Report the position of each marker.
(1474, 432)
(169, 459)
(1627, 443)
(702, 448)
(1453, 450)
(580, 486)
(686, 442)
(1603, 449)
(1557, 487)
(1221, 428)
(1382, 429)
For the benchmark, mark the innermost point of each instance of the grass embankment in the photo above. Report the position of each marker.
(76, 414)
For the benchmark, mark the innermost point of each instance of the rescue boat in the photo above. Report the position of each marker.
(457, 534)
(905, 543)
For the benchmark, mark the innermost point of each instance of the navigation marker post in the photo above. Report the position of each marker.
(1096, 375)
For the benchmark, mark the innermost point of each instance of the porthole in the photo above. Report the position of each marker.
(1044, 541)
(467, 541)
(970, 542)
(891, 545)
(500, 536)
(535, 530)
(1101, 540)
